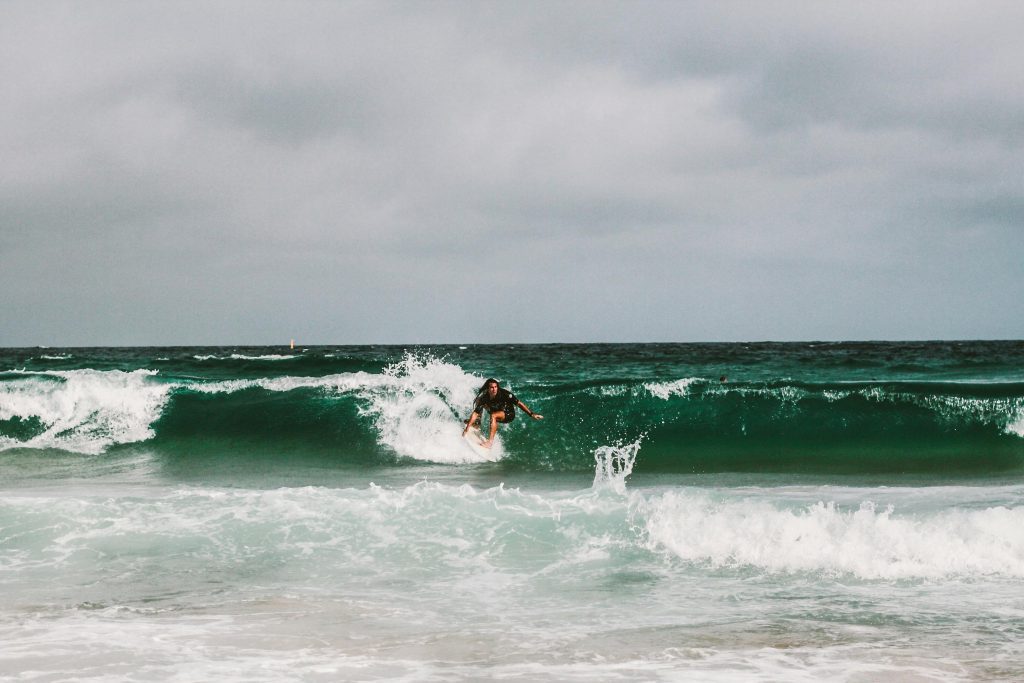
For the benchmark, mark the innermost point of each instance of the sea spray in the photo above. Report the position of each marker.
(613, 464)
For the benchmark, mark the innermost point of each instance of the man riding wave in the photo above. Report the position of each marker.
(500, 404)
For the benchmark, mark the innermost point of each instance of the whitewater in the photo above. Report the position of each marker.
(718, 512)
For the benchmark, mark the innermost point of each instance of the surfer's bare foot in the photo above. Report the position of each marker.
(485, 444)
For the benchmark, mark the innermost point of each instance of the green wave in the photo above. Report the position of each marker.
(705, 427)
(935, 408)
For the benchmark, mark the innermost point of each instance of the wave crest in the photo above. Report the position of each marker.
(84, 411)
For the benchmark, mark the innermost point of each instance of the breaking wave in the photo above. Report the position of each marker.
(413, 409)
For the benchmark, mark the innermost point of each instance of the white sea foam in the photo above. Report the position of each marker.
(832, 396)
(377, 583)
(84, 411)
(239, 356)
(717, 529)
(612, 390)
(340, 383)
(866, 542)
(284, 639)
(418, 410)
(613, 464)
(1015, 425)
(666, 390)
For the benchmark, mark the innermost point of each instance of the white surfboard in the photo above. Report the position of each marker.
(475, 440)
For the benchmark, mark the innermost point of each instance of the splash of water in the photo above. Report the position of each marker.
(614, 463)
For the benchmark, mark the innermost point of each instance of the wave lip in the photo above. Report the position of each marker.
(666, 390)
(242, 356)
(83, 411)
(415, 406)
(358, 409)
(340, 383)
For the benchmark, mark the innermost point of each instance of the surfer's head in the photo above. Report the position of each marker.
(490, 387)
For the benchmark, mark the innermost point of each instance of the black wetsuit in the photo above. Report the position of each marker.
(505, 401)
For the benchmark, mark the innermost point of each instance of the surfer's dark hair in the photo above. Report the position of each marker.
(483, 388)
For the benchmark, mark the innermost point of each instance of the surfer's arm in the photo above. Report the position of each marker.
(535, 416)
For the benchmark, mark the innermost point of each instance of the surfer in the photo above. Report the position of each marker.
(500, 404)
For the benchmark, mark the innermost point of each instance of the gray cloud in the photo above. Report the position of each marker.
(351, 172)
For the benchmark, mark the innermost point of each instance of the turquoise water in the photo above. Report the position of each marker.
(847, 512)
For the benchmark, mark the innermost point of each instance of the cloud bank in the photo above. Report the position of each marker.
(402, 172)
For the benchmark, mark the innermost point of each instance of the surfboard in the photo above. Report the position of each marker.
(476, 440)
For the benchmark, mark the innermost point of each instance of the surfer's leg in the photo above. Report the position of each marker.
(470, 422)
(496, 417)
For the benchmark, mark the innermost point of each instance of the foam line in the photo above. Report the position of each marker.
(866, 542)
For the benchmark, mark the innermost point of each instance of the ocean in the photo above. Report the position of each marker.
(684, 512)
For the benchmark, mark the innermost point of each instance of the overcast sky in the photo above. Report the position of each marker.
(419, 172)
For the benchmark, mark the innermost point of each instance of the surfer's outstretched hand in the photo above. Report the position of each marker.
(537, 416)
